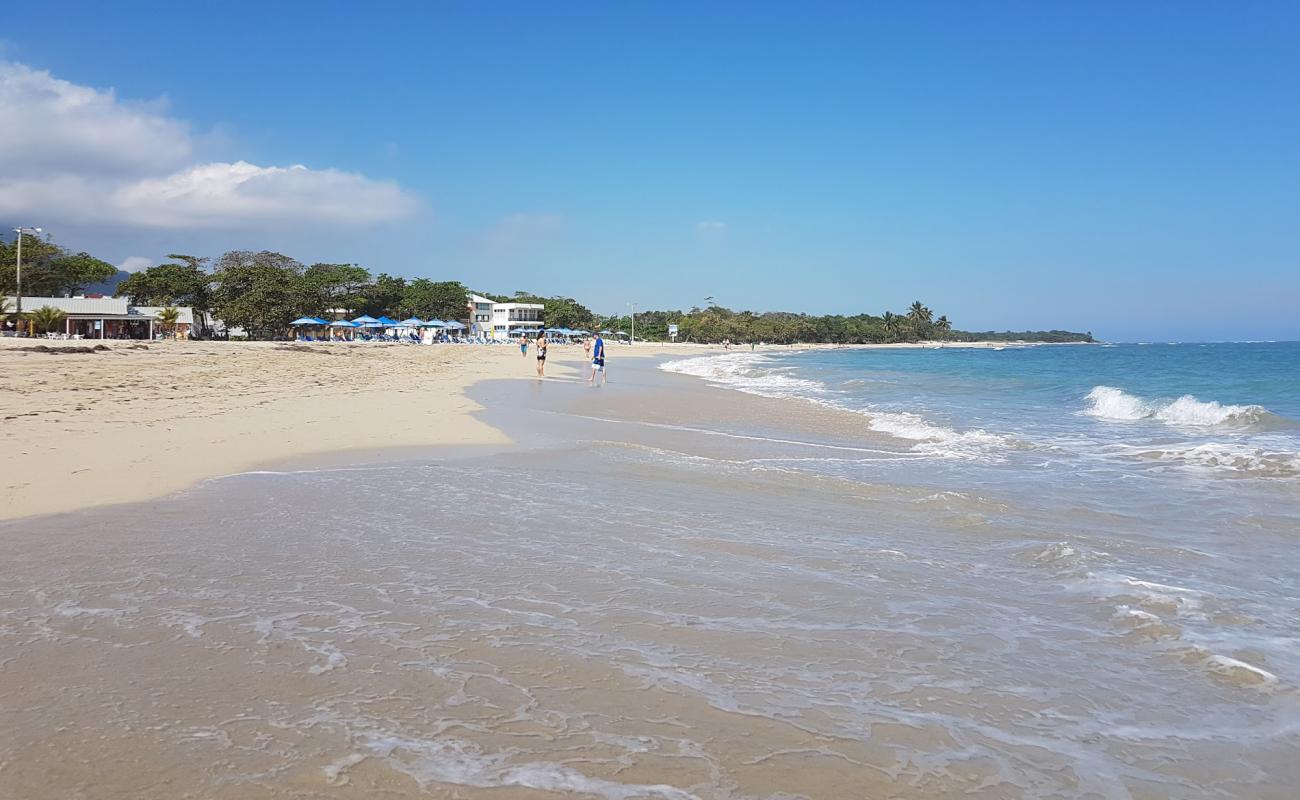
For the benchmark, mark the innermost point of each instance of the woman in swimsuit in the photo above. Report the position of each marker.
(541, 355)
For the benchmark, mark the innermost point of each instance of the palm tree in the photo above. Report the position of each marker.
(942, 325)
(167, 317)
(892, 324)
(47, 318)
(919, 313)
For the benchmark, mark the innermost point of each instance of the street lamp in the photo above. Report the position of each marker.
(18, 274)
(633, 323)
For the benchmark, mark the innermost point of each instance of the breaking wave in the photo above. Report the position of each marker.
(1108, 402)
(758, 374)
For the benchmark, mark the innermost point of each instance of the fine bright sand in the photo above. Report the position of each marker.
(142, 420)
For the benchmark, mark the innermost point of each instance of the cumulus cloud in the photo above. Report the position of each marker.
(82, 155)
(136, 264)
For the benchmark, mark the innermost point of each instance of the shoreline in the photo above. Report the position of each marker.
(140, 421)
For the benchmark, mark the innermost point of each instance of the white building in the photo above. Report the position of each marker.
(493, 320)
(105, 317)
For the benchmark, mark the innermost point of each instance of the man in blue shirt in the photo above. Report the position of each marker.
(597, 361)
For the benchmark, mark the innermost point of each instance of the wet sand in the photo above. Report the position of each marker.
(629, 602)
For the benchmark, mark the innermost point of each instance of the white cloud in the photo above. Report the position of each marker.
(83, 156)
(136, 264)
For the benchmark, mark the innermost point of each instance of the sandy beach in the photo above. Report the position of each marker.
(664, 588)
(135, 421)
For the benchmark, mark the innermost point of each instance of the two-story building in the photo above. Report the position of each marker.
(493, 320)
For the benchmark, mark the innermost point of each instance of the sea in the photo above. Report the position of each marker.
(1015, 573)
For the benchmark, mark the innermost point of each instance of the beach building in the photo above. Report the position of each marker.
(509, 320)
(480, 315)
(187, 319)
(108, 317)
(493, 320)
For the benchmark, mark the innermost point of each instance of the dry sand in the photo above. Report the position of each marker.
(141, 420)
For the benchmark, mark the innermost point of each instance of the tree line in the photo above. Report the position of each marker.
(263, 291)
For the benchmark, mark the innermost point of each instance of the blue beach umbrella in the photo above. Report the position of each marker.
(435, 323)
(412, 322)
(342, 323)
(457, 325)
(364, 318)
(307, 321)
(387, 322)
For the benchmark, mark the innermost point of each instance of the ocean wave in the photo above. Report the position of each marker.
(761, 375)
(1108, 402)
(752, 373)
(1246, 459)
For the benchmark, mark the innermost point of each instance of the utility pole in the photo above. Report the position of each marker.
(633, 323)
(18, 274)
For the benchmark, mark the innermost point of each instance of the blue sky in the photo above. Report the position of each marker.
(1128, 168)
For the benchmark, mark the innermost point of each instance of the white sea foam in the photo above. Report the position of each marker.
(463, 763)
(1248, 459)
(753, 373)
(758, 374)
(1108, 402)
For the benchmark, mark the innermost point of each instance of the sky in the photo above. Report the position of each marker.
(1132, 169)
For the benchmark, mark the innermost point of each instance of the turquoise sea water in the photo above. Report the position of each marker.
(1156, 413)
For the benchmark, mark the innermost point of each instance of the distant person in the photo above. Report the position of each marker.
(598, 361)
(586, 347)
(523, 345)
(541, 355)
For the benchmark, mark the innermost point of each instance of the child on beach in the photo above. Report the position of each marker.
(523, 344)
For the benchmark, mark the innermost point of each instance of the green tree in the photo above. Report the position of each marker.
(49, 270)
(259, 292)
(943, 326)
(382, 296)
(46, 318)
(329, 287)
(179, 284)
(434, 299)
(167, 318)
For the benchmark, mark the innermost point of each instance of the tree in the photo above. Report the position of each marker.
(48, 269)
(382, 296)
(893, 325)
(330, 287)
(46, 318)
(167, 317)
(259, 292)
(434, 299)
(565, 312)
(943, 326)
(167, 285)
(4, 308)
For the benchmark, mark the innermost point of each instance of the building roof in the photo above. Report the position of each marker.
(186, 316)
(100, 307)
(77, 305)
(509, 306)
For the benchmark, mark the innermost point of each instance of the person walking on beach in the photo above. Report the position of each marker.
(541, 355)
(586, 346)
(523, 345)
(597, 361)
